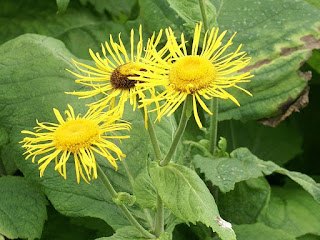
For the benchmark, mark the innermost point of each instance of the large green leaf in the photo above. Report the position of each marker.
(22, 208)
(187, 197)
(158, 15)
(274, 34)
(190, 12)
(77, 25)
(33, 81)
(243, 165)
(244, 204)
(126, 233)
(278, 35)
(293, 211)
(144, 191)
(118, 8)
(62, 5)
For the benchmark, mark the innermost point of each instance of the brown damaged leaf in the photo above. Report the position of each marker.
(310, 42)
(288, 107)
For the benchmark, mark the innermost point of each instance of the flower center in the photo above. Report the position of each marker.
(75, 135)
(192, 73)
(119, 76)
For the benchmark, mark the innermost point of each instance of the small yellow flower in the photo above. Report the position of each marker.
(205, 74)
(77, 136)
(110, 75)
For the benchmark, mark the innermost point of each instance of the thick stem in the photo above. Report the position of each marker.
(153, 137)
(124, 209)
(214, 102)
(204, 15)
(159, 221)
(213, 126)
(159, 217)
(146, 212)
(180, 130)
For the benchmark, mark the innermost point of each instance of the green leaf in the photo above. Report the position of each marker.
(280, 144)
(277, 52)
(188, 198)
(22, 207)
(314, 3)
(144, 190)
(243, 165)
(293, 211)
(260, 231)
(309, 237)
(190, 12)
(114, 7)
(62, 5)
(3, 136)
(126, 233)
(244, 204)
(33, 81)
(282, 86)
(158, 15)
(76, 25)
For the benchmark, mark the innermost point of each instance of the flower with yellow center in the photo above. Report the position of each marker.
(79, 136)
(111, 74)
(205, 74)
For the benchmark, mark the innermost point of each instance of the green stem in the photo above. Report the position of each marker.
(159, 217)
(204, 15)
(180, 130)
(159, 221)
(146, 212)
(124, 162)
(213, 126)
(153, 137)
(124, 209)
(214, 102)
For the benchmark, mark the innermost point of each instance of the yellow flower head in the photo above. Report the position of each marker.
(201, 74)
(110, 75)
(79, 136)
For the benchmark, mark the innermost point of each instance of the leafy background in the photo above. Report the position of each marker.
(38, 40)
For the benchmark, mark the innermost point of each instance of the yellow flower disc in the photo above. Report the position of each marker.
(76, 134)
(119, 77)
(192, 73)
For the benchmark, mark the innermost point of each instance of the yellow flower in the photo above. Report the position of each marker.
(205, 74)
(79, 136)
(110, 75)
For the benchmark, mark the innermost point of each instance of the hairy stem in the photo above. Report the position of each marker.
(214, 102)
(159, 221)
(213, 126)
(179, 132)
(204, 15)
(159, 217)
(123, 208)
(153, 137)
